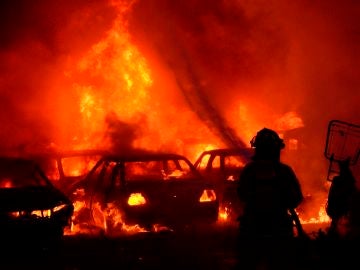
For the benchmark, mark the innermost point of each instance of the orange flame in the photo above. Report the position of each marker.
(136, 199)
(121, 85)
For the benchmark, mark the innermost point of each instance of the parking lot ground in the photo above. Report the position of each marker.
(206, 247)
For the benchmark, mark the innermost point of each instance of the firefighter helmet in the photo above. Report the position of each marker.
(267, 138)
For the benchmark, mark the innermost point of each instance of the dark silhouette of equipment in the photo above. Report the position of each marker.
(342, 143)
(342, 149)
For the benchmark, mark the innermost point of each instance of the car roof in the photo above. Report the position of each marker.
(144, 156)
(229, 150)
(246, 152)
(11, 165)
(7, 161)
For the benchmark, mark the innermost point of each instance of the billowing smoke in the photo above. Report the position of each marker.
(121, 134)
(238, 66)
(298, 56)
(283, 56)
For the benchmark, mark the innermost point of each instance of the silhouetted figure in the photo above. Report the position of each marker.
(340, 197)
(268, 189)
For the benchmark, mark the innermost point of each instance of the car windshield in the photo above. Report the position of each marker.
(78, 165)
(157, 169)
(20, 174)
(234, 161)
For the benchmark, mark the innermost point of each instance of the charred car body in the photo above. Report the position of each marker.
(66, 168)
(30, 206)
(151, 188)
(222, 168)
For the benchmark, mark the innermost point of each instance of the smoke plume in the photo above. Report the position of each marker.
(232, 66)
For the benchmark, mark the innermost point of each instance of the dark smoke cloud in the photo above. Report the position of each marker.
(210, 47)
(288, 55)
(307, 48)
(47, 21)
(222, 42)
(122, 135)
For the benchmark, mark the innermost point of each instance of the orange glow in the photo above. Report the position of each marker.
(86, 103)
(119, 90)
(126, 91)
(293, 144)
(108, 220)
(136, 199)
(176, 173)
(321, 218)
(223, 214)
(6, 183)
(77, 166)
(15, 214)
(198, 149)
(208, 195)
(290, 120)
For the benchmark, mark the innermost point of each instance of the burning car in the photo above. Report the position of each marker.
(66, 168)
(222, 168)
(148, 189)
(30, 206)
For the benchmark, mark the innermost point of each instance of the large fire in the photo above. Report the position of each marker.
(125, 76)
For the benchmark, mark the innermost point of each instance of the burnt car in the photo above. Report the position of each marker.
(66, 168)
(149, 189)
(222, 168)
(31, 207)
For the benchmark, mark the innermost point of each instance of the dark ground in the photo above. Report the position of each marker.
(211, 247)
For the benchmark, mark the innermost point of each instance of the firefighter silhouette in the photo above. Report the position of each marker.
(341, 194)
(268, 189)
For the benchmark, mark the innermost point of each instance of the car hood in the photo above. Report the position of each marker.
(30, 198)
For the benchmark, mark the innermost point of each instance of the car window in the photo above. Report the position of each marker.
(159, 169)
(78, 165)
(234, 161)
(21, 177)
(68, 166)
(108, 173)
(203, 162)
(178, 169)
(51, 168)
(216, 162)
(143, 169)
(100, 176)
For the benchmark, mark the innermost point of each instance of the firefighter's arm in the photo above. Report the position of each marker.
(243, 184)
(295, 190)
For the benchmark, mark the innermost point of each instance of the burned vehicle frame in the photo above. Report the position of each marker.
(32, 209)
(222, 167)
(149, 189)
(66, 168)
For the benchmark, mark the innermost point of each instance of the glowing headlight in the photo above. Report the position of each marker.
(41, 213)
(48, 212)
(59, 207)
(14, 214)
(208, 195)
(136, 199)
(45, 213)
